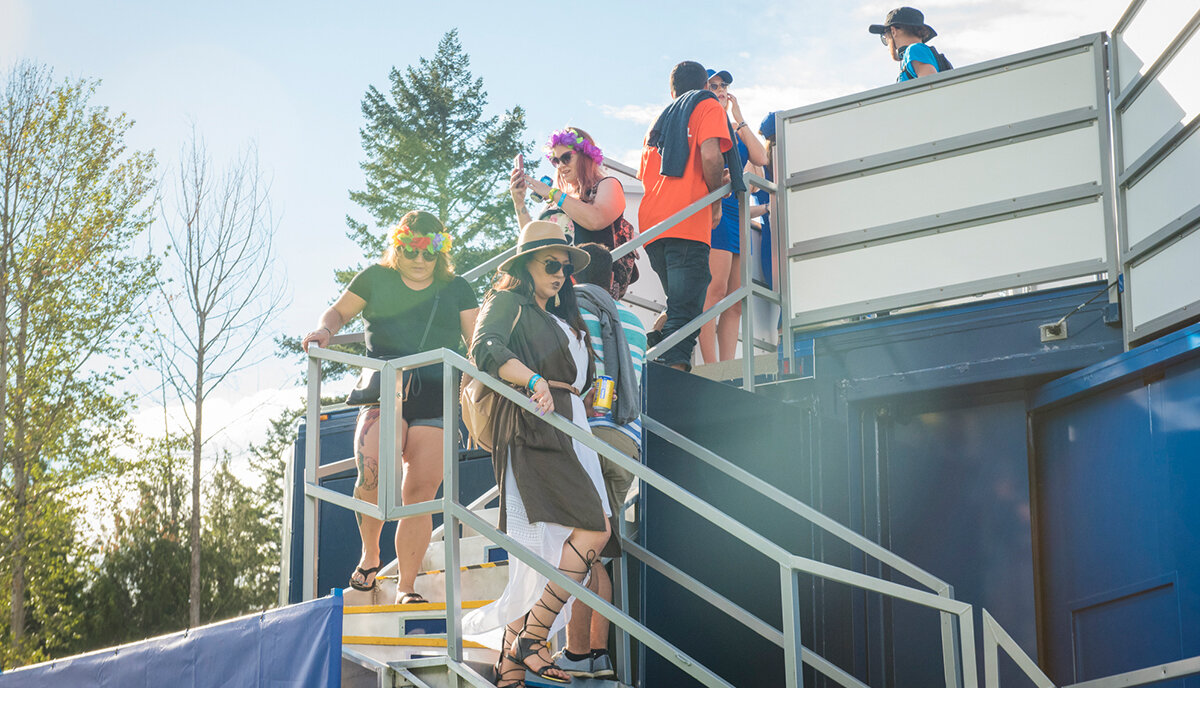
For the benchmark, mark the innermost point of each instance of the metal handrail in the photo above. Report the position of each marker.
(996, 638)
(791, 566)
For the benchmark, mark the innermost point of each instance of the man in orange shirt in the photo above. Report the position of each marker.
(682, 161)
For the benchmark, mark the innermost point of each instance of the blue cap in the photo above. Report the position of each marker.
(767, 127)
(723, 74)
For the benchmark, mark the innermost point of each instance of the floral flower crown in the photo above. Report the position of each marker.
(404, 238)
(575, 142)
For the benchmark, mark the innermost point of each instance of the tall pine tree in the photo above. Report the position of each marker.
(431, 146)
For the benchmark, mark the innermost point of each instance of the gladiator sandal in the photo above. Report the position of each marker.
(507, 679)
(536, 629)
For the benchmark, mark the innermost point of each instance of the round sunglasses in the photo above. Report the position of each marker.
(564, 160)
(412, 254)
(553, 266)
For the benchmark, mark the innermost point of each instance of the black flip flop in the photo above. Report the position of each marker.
(365, 574)
(411, 598)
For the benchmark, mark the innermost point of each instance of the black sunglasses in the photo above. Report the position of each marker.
(553, 266)
(883, 36)
(564, 160)
(412, 254)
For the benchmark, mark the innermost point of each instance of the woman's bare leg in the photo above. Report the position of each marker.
(422, 476)
(730, 320)
(719, 262)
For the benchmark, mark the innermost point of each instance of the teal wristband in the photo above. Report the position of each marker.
(562, 198)
(533, 381)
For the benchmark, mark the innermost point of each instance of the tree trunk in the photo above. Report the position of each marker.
(20, 486)
(197, 429)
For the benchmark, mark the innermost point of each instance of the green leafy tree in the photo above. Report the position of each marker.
(72, 201)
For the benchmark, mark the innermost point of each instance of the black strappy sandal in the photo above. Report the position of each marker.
(523, 648)
(354, 584)
(411, 598)
(502, 679)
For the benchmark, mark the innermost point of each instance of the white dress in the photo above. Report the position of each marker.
(546, 540)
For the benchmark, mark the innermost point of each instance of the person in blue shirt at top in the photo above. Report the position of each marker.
(905, 33)
(718, 338)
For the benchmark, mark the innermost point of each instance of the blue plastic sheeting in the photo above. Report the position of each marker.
(298, 646)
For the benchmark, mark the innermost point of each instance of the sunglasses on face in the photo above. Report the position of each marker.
(564, 159)
(412, 254)
(553, 266)
(717, 86)
(884, 36)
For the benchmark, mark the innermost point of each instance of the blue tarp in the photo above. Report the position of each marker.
(298, 646)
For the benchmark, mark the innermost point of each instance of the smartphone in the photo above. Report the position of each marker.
(520, 162)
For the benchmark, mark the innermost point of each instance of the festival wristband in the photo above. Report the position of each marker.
(551, 196)
(533, 381)
(562, 198)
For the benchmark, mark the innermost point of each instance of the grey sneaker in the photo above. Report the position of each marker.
(602, 666)
(579, 669)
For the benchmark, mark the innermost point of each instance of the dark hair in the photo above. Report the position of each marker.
(599, 270)
(917, 31)
(517, 279)
(420, 222)
(688, 76)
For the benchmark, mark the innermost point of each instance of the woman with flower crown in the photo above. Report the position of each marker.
(410, 302)
(587, 203)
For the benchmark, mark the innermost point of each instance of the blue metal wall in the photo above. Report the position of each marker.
(1117, 498)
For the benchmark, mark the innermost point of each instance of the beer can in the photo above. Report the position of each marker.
(605, 390)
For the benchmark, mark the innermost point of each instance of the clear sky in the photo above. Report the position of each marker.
(289, 76)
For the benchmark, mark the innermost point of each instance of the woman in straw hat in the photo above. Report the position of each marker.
(552, 492)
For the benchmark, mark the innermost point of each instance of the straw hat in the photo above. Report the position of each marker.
(540, 235)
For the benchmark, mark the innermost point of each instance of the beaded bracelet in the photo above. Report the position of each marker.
(533, 381)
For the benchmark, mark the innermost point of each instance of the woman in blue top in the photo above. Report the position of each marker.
(724, 259)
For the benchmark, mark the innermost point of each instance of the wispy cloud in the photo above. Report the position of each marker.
(644, 114)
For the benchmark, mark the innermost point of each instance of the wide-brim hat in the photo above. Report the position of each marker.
(540, 235)
(904, 16)
(724, 74)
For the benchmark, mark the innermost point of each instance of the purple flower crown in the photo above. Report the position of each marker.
(575, 142)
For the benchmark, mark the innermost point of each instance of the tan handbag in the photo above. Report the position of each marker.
(477, 403)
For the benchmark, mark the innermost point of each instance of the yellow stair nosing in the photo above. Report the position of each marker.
(426, 642)
(426, 606)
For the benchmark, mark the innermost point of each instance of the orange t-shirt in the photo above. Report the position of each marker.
(664, 196)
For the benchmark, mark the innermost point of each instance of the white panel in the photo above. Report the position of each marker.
(1169, 190)
(1015, 170)
(1173, 98)
(1152, 29)
(940, 260)
(1166, 281)
(914, 118)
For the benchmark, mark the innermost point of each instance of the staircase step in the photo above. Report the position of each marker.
(413, 641)
(418, 608)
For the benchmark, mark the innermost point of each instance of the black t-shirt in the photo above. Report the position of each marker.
(397, 316)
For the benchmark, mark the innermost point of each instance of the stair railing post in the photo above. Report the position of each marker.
(389, 442)
(450, 494)
(747, 280)
(951, 657)
(793, 664)
(312, 459)
(621, 587)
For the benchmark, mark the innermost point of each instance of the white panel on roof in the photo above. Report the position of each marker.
(1014, 170)
(919, 117)
(1166, 281)
(1149, 33)
(1169, 190)
(935, 261)
(1172, 99)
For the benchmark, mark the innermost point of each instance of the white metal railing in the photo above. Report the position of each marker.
(996, 638)
(791, 566)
